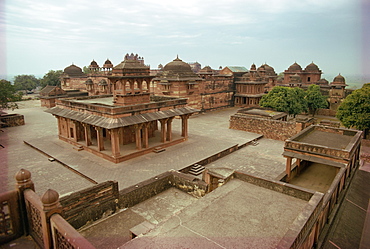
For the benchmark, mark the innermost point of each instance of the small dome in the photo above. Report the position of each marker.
(206, 69)
(312, 68)
(339, 79)
(323, 82)
(253, 67)
(94, 65)
(269, 70)
(177, 65)
(295, 67)
(50, 197)
(73, 70)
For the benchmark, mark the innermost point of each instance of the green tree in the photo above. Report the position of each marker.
(26, 82)
(8, 95)
(315, 99)
(51, 78)
(86, 70)
(285, 99)
(354, 111)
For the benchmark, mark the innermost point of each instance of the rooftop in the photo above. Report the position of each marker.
(335, 138)
(218, 220)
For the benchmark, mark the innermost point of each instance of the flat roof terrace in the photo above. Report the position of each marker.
(217, 220)
(103, 105)
(319, 143)
(332, 140)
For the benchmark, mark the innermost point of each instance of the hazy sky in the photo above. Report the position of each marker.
(45, 34)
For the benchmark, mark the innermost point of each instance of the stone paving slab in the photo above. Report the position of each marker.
(263, 160)
(208, 134)
(108, 234)
(138, 169)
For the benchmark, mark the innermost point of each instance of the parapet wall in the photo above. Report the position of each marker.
(278, 186)
(273, 129)
(10, 120)
(142, 191)
(90, 204)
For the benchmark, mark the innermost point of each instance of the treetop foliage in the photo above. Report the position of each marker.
(285, 99)
(315, 100)
(52, 78)
(8, 95)
(354, 111)
(26, 82)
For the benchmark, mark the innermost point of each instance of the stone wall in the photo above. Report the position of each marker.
(142, 191)
(274, 129)
(90, 204)
(10, 120)
(281, 187)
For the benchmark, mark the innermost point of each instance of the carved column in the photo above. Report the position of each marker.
(298, 162)
(184, 121)
(87, 134)
(121, 133)
(138, 136)
(163, 130)
(145, 135)
(288, 168)
(99, 137)
(169, 129)
(114, 138)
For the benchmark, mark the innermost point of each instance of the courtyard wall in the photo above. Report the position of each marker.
(273, 129)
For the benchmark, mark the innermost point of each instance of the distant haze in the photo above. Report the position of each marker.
(48, 35)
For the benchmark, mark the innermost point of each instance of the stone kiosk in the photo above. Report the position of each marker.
(123, 125)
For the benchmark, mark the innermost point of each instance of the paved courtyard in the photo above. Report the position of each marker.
(208, 134)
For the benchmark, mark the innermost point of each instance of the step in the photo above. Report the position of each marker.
(196, 169)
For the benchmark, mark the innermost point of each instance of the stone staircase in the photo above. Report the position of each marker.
(196, 169)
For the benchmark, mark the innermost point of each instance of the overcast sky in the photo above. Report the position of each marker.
(45, 34)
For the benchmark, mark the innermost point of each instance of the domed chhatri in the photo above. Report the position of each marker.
(108, 64)
(295, 67)
(177, 65)
(312, 68)
(94, 64)
(339, 79)
(50, 197)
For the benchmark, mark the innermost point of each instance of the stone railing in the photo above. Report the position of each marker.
(25, 212)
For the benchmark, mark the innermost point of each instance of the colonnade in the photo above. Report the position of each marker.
(77, 131)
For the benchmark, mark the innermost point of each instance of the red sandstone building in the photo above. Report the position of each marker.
(206, 90)
(126, 124)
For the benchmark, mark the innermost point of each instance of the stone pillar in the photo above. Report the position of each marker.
(145, 135)
(51, 205)
(114, 138)
(59, 126)
(99, 137)
(163, 130)
(184, 121)
(288, 168)
(87, 134)
(298, 162)
(138, 136)
(121, 133)
(169, 129)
